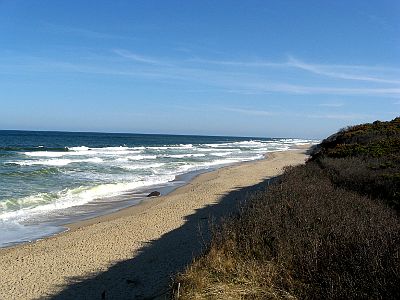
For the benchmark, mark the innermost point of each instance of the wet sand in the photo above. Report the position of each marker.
(132, 254)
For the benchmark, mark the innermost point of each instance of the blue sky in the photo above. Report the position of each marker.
(251, 68)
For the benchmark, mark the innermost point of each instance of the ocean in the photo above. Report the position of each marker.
(49, 179)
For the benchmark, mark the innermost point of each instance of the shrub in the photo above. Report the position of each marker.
(323, 230)
(299, 240)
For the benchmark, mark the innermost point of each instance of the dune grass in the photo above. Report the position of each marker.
(327, 229)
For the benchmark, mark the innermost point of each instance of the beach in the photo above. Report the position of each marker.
(132, 254)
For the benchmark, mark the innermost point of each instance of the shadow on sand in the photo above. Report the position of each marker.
(149, 273)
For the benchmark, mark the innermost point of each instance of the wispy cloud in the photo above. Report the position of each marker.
(256, 63)
(250, 111)
(344, 72)
(336, 71)
(333, 105)
(320, 90)
(377, 20)
(339, 116)
(226, 79)
(138, 58)
(82, 32)
(350, 116)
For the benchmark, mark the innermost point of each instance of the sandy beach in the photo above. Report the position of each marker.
(133, 253)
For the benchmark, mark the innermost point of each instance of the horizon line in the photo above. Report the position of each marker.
(169, 134)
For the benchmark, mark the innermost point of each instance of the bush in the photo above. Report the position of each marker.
(300, 240)
(323, 230)
(365, 158)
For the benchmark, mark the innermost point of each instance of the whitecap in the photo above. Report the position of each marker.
(221, 153)
(42, 203)
(147, 166)
(56, 162)
(141, 157)
(79, 148)
(183, 155)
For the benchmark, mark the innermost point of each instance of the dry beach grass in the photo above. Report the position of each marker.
(329, 229)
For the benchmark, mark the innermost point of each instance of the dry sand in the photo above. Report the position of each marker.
(132, 254)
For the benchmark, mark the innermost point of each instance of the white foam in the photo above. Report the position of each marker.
(118, 152)
(79, 148)
(56, 162)
(141, 157)
(33, 200)
(251, 143)
(120, 148)
(45, 154)
(13, 232)
(172, 147)
(122, 159)
(38, 204)
(148, 166)
(48, 162)
(205, 149)
(218, 149)
(206, 165)
(221, 153)
(61, 154)
(218, 145)
(93, 160)
(184, 155)
(86, 151)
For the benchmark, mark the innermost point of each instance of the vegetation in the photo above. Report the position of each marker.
(328, 229)
(366, 159)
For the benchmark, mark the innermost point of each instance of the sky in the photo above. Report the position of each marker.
(273, 68)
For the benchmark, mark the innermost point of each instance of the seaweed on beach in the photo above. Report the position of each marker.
(326, 229)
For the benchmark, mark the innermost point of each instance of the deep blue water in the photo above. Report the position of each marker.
(31, 140)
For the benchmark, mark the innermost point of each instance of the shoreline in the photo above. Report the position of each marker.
(146, 202)
(179, 182)
(169, 187)
(97, 216)
(95, 246)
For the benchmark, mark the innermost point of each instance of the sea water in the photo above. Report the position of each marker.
(48, 179)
